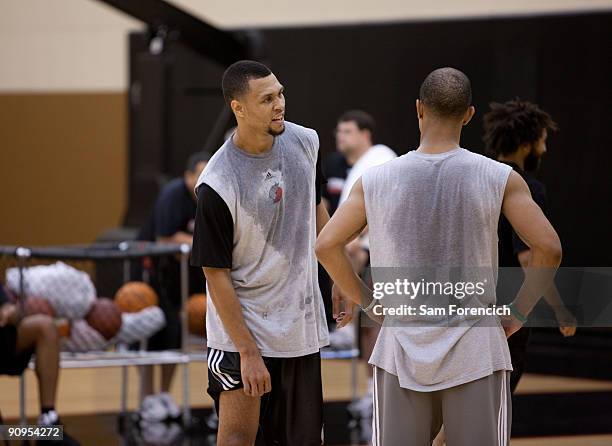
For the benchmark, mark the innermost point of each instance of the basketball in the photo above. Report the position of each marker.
(196, 314)
(37, 305)
(104, 317)
(63, 327)
(135, 296)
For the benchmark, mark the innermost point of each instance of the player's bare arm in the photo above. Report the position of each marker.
(9, 315)
(254, 373)
(567, 321)
(535, 230)
(322, 216)
(346, 224)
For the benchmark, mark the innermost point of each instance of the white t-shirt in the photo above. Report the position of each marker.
(375, 155)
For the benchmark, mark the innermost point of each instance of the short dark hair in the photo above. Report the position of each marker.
(447, 92)
(364, 120)
(235, 81)
(512, 124)
(195, 159)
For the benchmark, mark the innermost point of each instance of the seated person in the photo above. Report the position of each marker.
(20, 337)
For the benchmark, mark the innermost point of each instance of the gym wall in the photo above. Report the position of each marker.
(62, 166)
(64, 101)
(63, 120)
(557, 61)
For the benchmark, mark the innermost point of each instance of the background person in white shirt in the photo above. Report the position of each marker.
(354, 139)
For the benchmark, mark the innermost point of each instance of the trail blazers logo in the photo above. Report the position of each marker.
(273, 183)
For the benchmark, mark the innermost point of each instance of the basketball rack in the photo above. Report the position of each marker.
(192, 347)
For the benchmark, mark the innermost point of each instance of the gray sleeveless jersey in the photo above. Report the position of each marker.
(435, 216)
(274, 270)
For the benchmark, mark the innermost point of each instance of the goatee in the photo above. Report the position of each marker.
(532, 162)
(273, 132)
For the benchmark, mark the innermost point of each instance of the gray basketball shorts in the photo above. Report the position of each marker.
(475, 413)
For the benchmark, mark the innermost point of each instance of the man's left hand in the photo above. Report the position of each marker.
(342, 307)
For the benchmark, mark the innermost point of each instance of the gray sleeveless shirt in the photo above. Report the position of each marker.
(271, 198)
(435, 216)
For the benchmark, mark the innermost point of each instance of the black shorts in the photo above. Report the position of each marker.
(292, 413)
(11, 362)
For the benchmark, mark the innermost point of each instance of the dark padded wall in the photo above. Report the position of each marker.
(175, 98)
(560, 62)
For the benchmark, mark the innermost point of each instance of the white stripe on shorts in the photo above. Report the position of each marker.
(227, 381)
(227, 375)
(216, 357)
(222, 376)
(502, 419)
(375, 419)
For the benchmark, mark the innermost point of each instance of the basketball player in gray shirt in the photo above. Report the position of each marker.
(257, 219)
(437, 209)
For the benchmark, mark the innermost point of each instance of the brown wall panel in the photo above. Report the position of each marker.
(63, 166)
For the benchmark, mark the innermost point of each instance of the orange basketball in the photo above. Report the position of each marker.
(63, 327)
(104, 317)
(135, 296)
(37, 305)
(196, 314)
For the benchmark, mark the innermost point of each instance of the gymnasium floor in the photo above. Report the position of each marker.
(548, 410)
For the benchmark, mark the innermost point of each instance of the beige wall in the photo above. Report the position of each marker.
(80, 45)
(299, 12)
(63, 169)
(63, 120)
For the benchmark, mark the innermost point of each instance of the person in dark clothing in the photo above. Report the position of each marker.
(515, 134)
(21, 337)
(335, 170)
(171, 221)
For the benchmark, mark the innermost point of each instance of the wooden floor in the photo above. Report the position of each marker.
(88, 391)
(91, 391)
(584, 440)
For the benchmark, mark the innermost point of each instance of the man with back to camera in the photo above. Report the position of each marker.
(259, 211)
(171, 221)
(442, 216)
(516, 133)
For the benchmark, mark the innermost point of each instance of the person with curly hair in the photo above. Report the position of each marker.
(515, 134)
